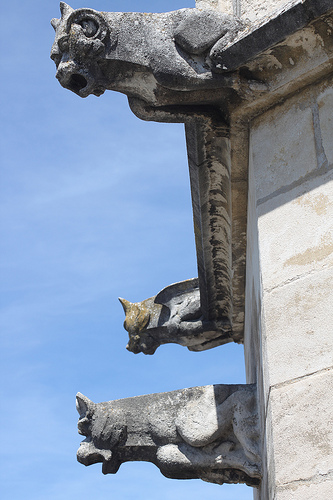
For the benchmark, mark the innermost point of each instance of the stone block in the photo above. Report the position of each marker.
(283, 146)
(310, 491)
(302, 422)
(325, 105)
(298, 321)
(295, 237)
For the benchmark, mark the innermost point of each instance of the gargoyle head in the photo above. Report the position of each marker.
(78, 47)
(137, 319)
(104, 431)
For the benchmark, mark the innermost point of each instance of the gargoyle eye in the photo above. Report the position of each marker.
(89, 26)
(63, 44)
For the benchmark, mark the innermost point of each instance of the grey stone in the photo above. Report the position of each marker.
(180, 65)
(165, 64)
(267, 34)
(173, 315)
(200, 30)
(148, 56)
(210, 433)
(217, 75)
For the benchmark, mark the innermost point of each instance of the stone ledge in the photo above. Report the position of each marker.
(267, 34)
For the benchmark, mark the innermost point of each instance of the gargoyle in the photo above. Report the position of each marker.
(173, 316)
(210, 433)
(153, 58)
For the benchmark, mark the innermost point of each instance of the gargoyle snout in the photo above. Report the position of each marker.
(88, 454)
(77, 82)
(70, 77)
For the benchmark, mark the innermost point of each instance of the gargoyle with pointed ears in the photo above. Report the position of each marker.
(156, 58)
(173, 315)
(207, 432)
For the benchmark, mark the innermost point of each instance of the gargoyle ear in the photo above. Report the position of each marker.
(65, 9)
(125, 303)
(55, 23)
(83, 405)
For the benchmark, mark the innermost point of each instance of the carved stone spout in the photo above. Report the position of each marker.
(155, 58)
(174, 315)
(210, 433)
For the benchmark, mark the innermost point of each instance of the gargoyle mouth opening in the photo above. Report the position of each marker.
(77, 82)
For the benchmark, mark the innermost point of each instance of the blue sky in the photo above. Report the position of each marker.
(95, 204)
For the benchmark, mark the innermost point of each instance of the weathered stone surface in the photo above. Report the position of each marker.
(173, 315)
(283, 146)
(137, 54)
(264, 35)
(210, 433)
(298, 61)
(288, 327)
(299, 333)
(229, 74)
(180, 80)
(315, 488)
(199, 31)
(297, 237)
(146, 56)
(256, 10)
(301, 414)
(225, 6)
(325, 105)
(210, 171)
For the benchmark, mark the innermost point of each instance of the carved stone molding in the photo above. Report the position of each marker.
(209, 433)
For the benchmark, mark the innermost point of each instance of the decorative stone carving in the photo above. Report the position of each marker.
(151, 57)
(205, 69)
(210, 433)
(173, 315)
(165, 64)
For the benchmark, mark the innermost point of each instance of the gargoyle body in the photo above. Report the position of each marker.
(153, 58)
(173, 316)
(210, 433)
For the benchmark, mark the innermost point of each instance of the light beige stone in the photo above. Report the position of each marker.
(322, 490)
(256, 10)
(296, 237)
(283, 146)
(299, 327)
(325, 105)
(225, 6)
(302, 422)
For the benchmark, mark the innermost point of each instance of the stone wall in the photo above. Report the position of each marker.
(254, 10)
(289, 314)
(289, 265)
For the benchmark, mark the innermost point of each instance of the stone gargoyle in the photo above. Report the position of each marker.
(173, 316)
(209, 433)
(155, 59)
